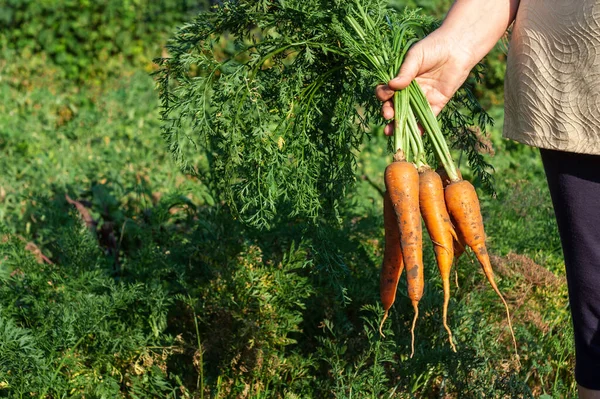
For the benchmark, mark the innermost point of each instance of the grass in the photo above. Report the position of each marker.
(163, 294)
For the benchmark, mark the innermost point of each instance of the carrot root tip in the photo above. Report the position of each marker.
(450, 337)
(492, 282)
(385, 316)
(412, 329)
(445, 314)
(510, 327)
(456, 279)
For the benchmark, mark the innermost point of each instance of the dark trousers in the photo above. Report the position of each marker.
(574, 182)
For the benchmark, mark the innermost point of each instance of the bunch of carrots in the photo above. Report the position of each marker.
(449, 206)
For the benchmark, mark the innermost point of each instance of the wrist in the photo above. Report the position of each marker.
(473, 27)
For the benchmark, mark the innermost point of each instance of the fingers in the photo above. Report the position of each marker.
(409, 69)
(383, 92)
(387, 110)
(436, 99)
(388, 129)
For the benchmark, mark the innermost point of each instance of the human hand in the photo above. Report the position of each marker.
(439, 65)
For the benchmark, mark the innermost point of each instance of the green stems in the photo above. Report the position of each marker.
(398, 126)
(407, 136)
(410, 107)
(429, 122)
(382, 52)
(416, 140)
(401, 108)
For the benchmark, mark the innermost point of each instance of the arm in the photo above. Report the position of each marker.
(476, 25)
(442, 61)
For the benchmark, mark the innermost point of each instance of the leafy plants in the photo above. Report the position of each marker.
(200, 305)
(281, 113)
(89, 40)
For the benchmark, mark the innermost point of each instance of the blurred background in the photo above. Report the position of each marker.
(122, 276)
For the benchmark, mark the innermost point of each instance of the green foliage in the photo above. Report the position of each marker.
(170, 296)
(76, 328)
(265, 117)
(466, 130)
(21, 356)
(434, 8)
(280, 113)
(88, 39)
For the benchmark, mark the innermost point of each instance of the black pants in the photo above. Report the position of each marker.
(574, 182)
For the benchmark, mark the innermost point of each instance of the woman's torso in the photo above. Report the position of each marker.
(552, 83)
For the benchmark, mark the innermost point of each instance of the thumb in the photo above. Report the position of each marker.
(409, 69)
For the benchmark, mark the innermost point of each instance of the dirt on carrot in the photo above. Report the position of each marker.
(392, 266)
(402, 184)
(463, 206)
(441, 232)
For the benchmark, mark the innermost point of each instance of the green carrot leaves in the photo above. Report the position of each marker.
(278, 96)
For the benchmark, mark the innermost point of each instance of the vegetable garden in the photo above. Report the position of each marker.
(205, 217)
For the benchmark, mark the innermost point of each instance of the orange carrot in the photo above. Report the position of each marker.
(444, 175)
(402, 183)
(463, 207)
(441, 232)
(459, 242)
(459, 245)
(392, 266)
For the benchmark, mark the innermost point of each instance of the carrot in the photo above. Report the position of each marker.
(459, 249)
(463, 207)
(402, 183)
(459, 245)
(392, 266)
(441, 232)
(444, 175)
(459, 242)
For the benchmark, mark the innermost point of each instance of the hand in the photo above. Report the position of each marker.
(440, 67)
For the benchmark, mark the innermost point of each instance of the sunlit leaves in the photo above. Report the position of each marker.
(275, 95)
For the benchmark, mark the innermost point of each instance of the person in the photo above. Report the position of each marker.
(552, 101)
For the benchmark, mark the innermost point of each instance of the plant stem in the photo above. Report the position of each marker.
(429, 122)
(398, 133)
(415, 133)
